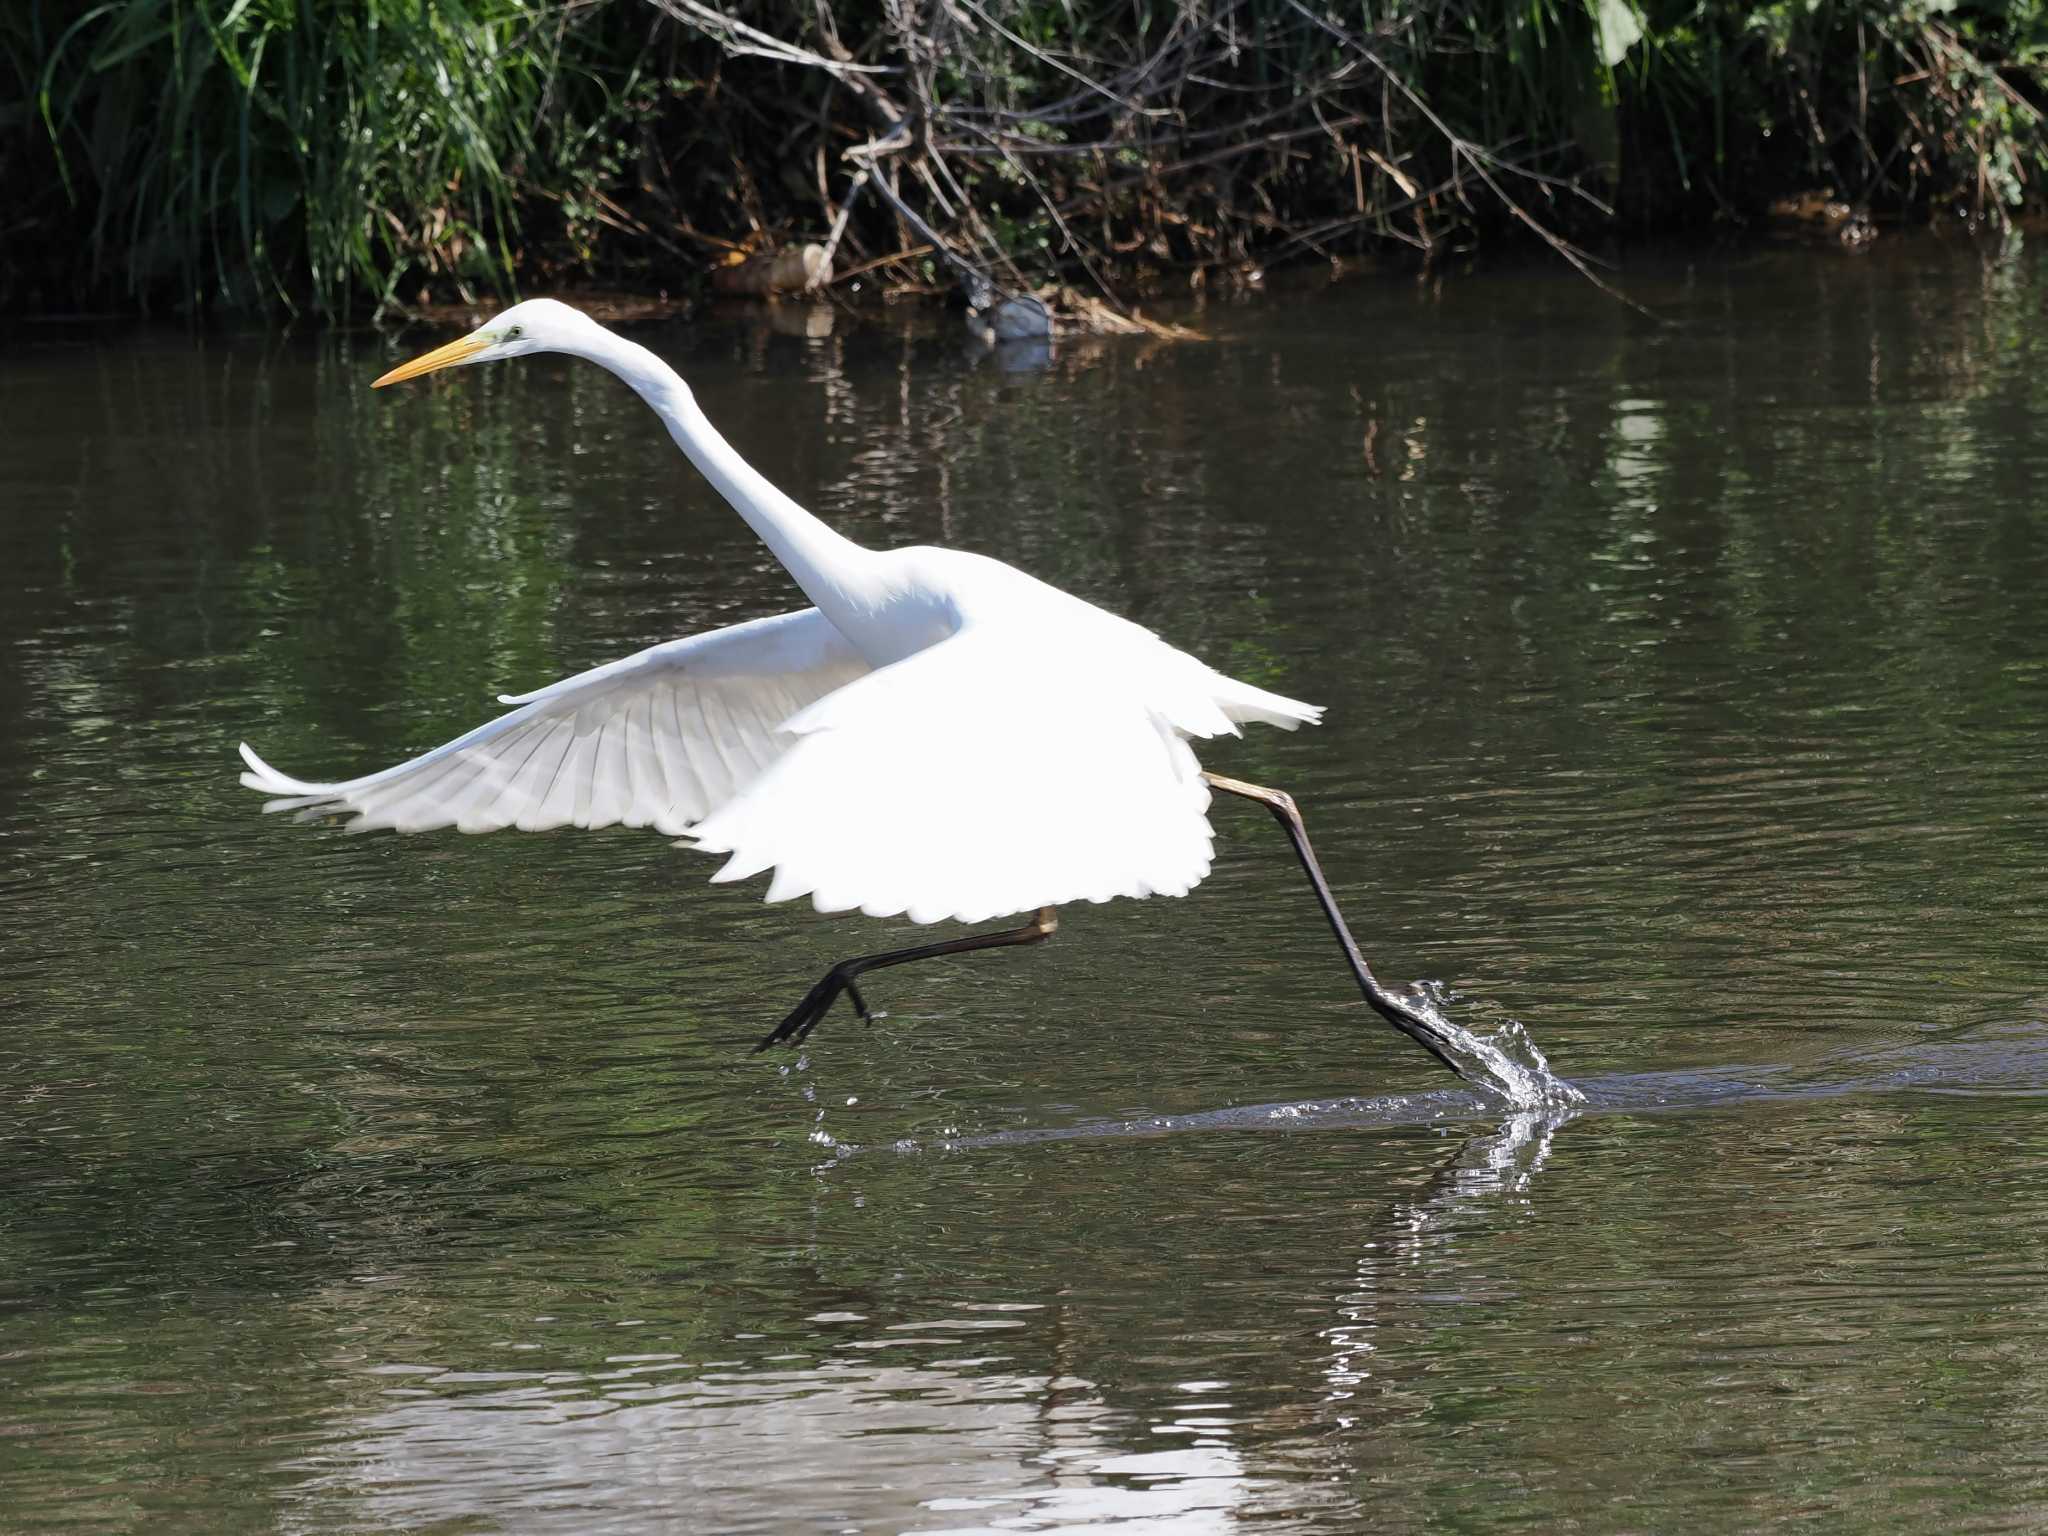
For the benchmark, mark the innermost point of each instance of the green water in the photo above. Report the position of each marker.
(1688, 692)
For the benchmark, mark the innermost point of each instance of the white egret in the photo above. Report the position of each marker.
(940, 736)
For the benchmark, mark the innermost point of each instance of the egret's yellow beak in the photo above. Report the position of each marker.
(439, 358)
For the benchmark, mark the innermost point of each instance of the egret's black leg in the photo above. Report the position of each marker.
(860, 1004)
(817, 1002)
(1396, 1010)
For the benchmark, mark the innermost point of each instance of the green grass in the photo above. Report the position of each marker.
(257, 152)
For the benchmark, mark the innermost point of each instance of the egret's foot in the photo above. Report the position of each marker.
(810, 1013)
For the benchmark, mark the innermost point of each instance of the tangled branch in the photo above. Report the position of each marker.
(1218, 135)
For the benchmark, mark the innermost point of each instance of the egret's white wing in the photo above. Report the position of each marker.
(995, 772)
(659, 739)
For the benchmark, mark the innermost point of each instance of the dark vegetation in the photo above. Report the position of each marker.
(316, 155)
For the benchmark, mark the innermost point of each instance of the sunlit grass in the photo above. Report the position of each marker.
(259, 151)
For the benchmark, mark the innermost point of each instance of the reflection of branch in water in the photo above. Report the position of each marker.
(1502, 1162)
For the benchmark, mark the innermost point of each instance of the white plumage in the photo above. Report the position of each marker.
(660, 739)
(940, 736)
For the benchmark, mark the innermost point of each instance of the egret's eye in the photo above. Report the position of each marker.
(515, 332)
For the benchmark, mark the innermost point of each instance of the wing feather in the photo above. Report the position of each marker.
(660, 738)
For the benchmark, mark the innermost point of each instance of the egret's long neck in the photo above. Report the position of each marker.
(831, 569)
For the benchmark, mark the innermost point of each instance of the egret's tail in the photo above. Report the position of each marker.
(1242, 702)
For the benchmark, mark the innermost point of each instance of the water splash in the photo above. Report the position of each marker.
(820, 1137)
(1507, 1062)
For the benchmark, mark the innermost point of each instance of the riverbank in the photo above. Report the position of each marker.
(348, 160)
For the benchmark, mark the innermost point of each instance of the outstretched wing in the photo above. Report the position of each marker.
(991, 773)
(660, 739)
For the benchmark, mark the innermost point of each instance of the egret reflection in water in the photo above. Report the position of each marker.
(967, 1446)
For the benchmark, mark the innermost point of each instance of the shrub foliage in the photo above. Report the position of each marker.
(327, 154)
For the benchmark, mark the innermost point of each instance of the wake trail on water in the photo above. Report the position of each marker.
(1505, 1069)
(2006, 1063)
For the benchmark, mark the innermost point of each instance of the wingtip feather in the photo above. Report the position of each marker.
(261, 776)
